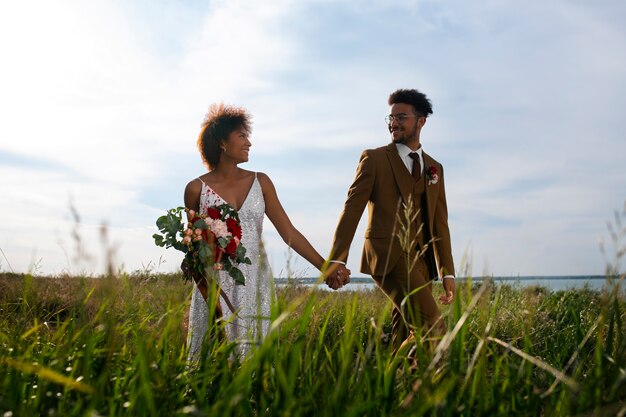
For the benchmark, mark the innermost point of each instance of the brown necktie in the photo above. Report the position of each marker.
(417, 168)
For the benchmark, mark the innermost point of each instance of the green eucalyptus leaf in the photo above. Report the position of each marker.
(158, 239)
(237, 275)
(205, 254)
(162, 222)
(174, 225)
(240, 252)
(181, 247)
(200, 224)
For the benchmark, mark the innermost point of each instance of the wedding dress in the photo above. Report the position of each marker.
(250, 321)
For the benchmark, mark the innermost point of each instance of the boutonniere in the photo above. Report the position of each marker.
(432, 175)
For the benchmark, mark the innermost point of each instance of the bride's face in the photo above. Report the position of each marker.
(237, 147)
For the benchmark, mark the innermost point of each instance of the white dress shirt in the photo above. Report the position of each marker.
(404, 152)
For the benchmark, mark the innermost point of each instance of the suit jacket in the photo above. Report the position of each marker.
(384, 184)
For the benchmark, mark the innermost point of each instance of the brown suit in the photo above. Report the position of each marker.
(384, 184)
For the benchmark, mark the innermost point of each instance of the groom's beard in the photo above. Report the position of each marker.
(403, 135)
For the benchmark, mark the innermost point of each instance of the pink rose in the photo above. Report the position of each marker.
(218, 227)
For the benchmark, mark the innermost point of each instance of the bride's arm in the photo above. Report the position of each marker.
(287, 231)
(192, 202)
(192, 195)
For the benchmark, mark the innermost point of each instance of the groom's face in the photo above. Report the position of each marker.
(404, 123)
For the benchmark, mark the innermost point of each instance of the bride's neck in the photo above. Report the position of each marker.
(224, 171)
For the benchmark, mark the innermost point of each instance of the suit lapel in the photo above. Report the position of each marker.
(431, 190)
(430, 194)
(403, 179)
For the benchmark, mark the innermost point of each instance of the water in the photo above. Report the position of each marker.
(553, 283)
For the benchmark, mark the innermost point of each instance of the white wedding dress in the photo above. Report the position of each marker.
(250, 322)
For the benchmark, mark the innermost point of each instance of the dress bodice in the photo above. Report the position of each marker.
(251, 213)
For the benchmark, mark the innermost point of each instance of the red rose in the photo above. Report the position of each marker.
(213, 213)
(234, 228)
(231, 247)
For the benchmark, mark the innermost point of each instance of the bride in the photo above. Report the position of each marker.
(224, 143)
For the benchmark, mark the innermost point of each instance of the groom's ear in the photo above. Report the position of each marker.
(421, 122)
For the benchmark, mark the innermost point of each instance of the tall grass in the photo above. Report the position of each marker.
(115, 346)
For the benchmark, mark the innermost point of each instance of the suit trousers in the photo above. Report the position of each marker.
(420, 311)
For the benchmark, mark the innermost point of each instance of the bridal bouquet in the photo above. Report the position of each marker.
(211, 242)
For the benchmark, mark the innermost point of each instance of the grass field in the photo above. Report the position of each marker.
(115, 346)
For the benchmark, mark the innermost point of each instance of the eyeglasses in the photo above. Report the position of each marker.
(400, 118)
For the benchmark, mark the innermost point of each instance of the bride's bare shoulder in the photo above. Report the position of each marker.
(267, 186)
(192, 194)
(263, 178)
(195, 185)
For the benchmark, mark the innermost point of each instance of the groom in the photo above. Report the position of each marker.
(393, 180)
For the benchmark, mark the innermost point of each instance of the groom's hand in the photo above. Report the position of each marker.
(449, 290)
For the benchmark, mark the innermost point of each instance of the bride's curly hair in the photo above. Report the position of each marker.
(218, 123)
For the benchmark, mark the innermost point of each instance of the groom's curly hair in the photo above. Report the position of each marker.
(218, 123)
(418, 100)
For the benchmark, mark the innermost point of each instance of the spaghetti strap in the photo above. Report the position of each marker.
(203, 183)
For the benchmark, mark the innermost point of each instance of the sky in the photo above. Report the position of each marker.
(101, 103)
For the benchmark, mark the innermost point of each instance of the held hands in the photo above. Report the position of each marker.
(449, 290)
(337, 276)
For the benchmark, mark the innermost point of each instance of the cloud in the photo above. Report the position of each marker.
(105, 102)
